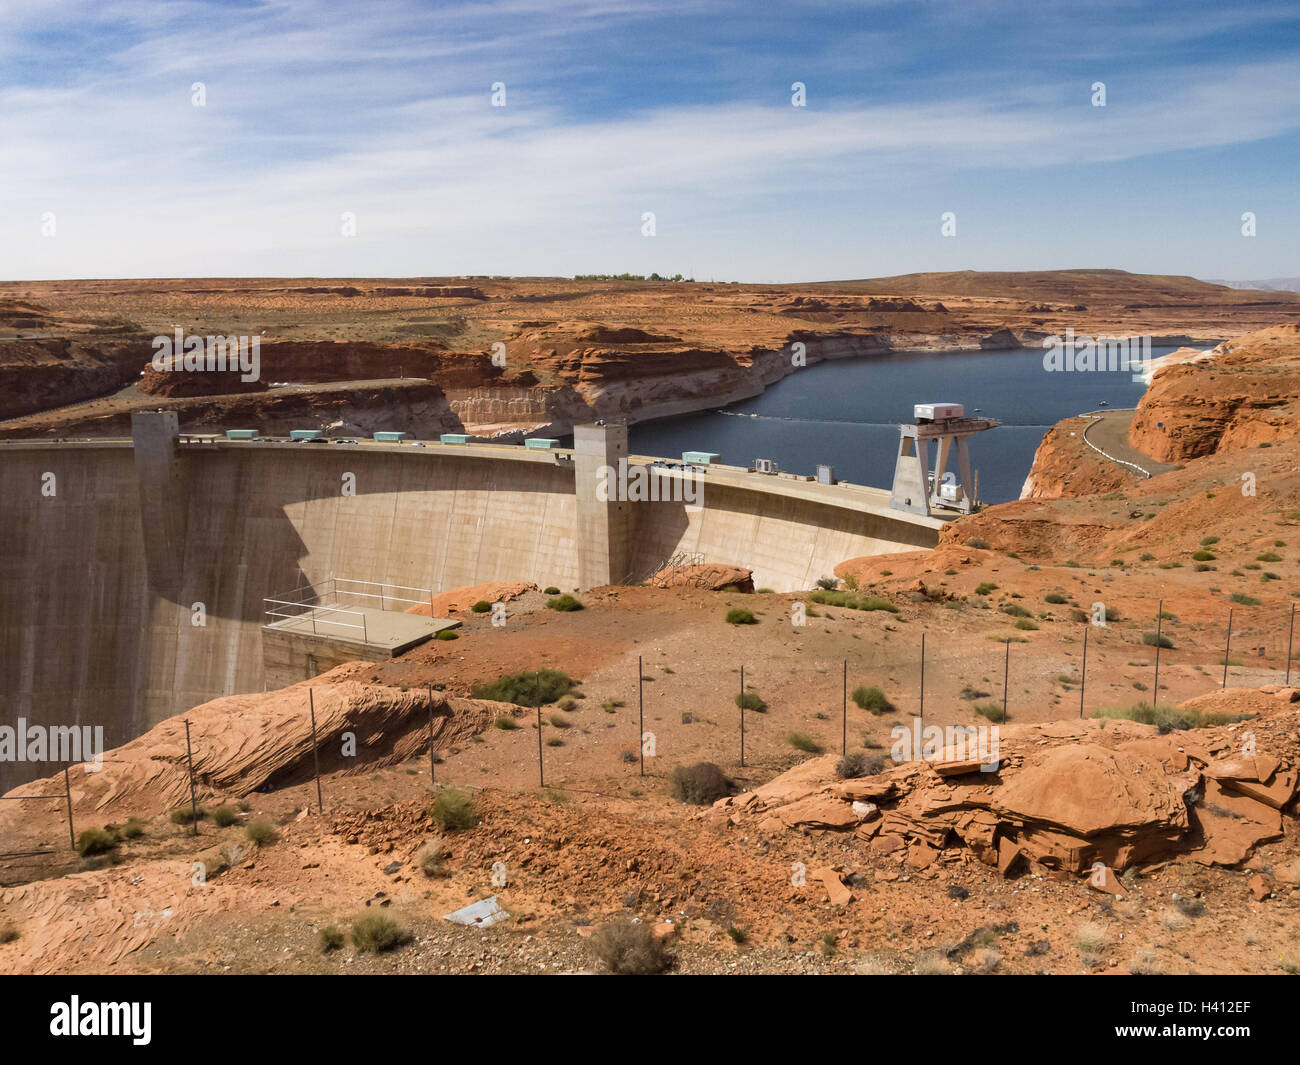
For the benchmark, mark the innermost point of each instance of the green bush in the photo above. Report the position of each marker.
(1015, 610)
(481, 607)
(1169, 718)
(1026, 624)
(738, 615)
(700, 784)
(185, 815)
(629, 947)
(1151, 640)
(750, 701)
(95, 841)
(375, 933)
(853, 602)
(1268, 556)
(558, 720)
(454, 810)
(801, 741)
(535, 688)
(331, 938)
(447, 634)
(1243, 599)
(1055, 598)
(985, 588)
(505, 723)
(992, 711)
(133, 829)
(552, 590)
(1203, 556)
(225, 816)
(872, 699)
(260, 833)
(564, 603)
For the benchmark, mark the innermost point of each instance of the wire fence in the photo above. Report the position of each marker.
(999, 684)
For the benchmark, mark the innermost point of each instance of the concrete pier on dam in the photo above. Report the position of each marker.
(135, 571)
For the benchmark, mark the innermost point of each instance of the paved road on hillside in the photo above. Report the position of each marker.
(1110, 433)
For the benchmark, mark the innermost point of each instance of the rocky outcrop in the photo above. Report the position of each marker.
(711, 578)
(41, 374)
(1242, 393)
(246, 743)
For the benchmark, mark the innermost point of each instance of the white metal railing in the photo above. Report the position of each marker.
(323, 605)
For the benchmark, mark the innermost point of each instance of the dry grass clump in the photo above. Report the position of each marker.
(630, 948)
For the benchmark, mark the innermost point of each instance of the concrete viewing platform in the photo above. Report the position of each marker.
(387, 631)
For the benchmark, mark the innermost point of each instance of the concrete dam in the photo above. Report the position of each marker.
(135, 571)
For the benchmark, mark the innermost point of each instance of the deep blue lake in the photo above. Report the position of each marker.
(846, 413)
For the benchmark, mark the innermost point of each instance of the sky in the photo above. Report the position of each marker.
(337, 138)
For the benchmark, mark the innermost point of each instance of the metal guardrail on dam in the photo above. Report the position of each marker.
(842, 494)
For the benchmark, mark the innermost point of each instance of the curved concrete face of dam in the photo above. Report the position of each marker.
(109, 549)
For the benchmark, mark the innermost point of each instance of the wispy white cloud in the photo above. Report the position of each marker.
(316, 108)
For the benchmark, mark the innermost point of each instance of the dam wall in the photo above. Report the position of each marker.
(105, 619)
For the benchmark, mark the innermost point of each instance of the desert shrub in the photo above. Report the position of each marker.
(260, 833)
(629, 947)
(1152, 640)
(563, 603)
(1168, 718)
(750, 701)
(978, 544)
(1055, 598)
(699, 784)
(481, 607)
(853, 602)
(505, 723)
(1203, 556)
(95, 841)
(554, 741)
(737, 935)
(1268, 556)
(330, 938)
(375, 933)
(1025, 623)
(447, 634)
(225, 816)
(551, 590)
(1090, 938)
(558, 720)
(610, 705)
(1208, 541)
(985, 588)
(133, 829)
(1243, 599)
(1015, 610)
(432, 857)
(738, 615)
(8, 932)
(454, 810)
(535, 688)
(855, 765)
(185, 815)
(827, 584)
(991, 711)
(630, 756)
(873, 699)
(801, 741)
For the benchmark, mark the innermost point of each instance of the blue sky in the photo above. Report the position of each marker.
(615, 108)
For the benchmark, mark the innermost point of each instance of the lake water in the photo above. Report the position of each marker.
(846, 414)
